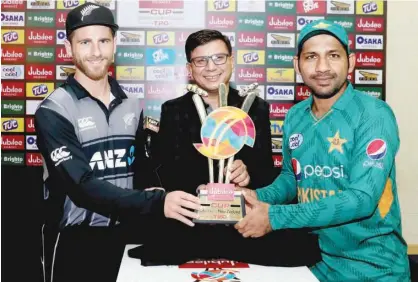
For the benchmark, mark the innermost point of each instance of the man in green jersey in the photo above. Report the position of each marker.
(339, 150)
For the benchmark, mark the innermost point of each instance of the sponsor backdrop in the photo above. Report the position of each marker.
(150, 59)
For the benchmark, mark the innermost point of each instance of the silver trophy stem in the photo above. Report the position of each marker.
(223, 102)
(223, 95)
(202, 115)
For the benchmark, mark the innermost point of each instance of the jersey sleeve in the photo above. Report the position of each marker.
(373, 159)
(283, 188)
(67, 164)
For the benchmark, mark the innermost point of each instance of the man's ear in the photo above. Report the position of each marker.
(351, 62)
(296, 64)
(232, 62)
(189, 69)
(68, 47)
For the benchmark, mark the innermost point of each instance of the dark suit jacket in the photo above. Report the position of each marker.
(182, 167)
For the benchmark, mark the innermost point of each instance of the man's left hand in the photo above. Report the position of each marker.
(239, 173)
(256, 223)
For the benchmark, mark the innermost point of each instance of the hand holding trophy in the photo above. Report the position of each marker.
(224, 132)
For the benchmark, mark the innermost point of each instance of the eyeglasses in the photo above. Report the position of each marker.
(217, 59)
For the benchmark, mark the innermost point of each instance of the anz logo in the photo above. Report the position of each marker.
(112, 158)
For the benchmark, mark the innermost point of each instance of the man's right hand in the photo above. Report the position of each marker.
(249, 193)
(176, 205)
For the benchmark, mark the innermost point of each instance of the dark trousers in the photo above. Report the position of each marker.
(81, 254)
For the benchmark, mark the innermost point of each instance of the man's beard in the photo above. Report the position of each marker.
(93, 75)
(330, 94)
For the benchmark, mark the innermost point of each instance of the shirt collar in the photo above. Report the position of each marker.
(81, 92)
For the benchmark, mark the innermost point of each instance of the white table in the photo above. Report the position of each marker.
(131, 270)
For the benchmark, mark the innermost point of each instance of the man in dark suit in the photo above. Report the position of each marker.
(181, 166)
(210, 62)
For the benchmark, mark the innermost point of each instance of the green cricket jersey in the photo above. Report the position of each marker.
(342, 169)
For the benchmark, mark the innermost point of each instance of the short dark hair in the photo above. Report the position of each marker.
(203, 37)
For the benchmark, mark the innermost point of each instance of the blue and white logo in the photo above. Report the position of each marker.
(160, 56)
(131, 157)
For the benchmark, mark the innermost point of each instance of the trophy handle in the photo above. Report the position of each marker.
(223, 95)
(202, 115)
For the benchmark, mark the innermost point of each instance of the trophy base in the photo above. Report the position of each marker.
(220, 211)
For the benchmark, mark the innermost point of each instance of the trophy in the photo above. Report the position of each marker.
(224, 132)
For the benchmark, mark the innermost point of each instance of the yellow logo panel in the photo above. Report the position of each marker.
(129, 73)
(12, 36)
(251, 57)
(221, 6)
(280, 75)
(12, 124)
(69, 4)
(369, 7)
(276, 127)
(160, 38)
(39, 89)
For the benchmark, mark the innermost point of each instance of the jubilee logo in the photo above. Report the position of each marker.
(279, 110)
(251, 75)
(282, 23)
(13, 4)
(369, 24)
(12, 142)
(251, 39)
(40, 36)
(37, 72)
(369, 59)
(302, 93)
(62, 56)
(221, 21)
(61, 18)
(15, 54)
(12, 89)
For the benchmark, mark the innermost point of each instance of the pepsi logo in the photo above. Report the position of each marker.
(296, 169)
(376, 149)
